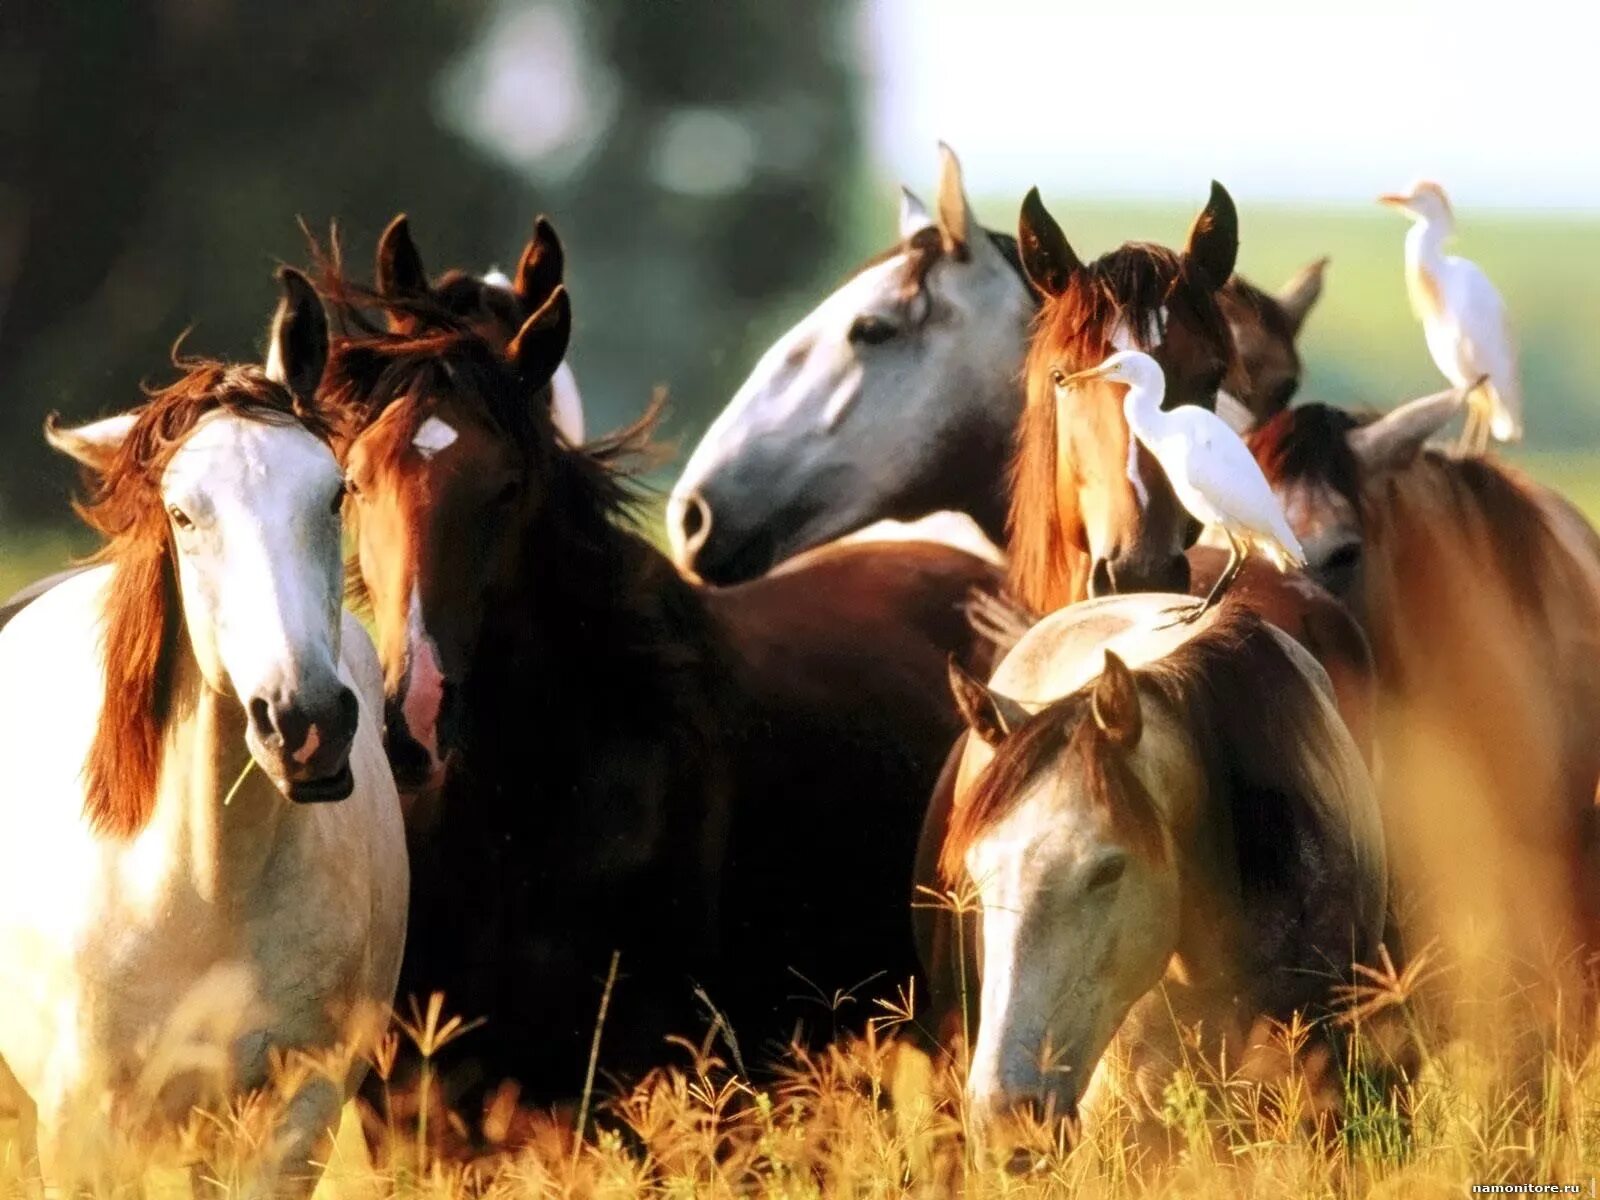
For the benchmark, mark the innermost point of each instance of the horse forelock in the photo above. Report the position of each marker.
(141, 622)
(1264, 763)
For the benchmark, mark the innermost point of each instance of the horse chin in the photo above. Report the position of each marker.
(291, 782)
(322, 791)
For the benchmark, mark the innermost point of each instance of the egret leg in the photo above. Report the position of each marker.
(1475, 434)
(1190, 613)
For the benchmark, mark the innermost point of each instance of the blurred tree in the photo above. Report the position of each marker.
(155, 153)
(707, 170)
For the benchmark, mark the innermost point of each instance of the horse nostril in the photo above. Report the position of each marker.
(348, 714)
(1101, 582)
(261, 720)
(693, 515)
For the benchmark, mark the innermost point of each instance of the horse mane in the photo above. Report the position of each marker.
(1262, 760)
(143, 618)
(1127, 286)
(925, 249)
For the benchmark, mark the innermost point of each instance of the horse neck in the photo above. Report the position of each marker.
(221, 850)
(594, 613)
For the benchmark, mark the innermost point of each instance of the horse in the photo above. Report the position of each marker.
(724, 785)
(1157, 853)
(1480, 593)
(495, 304)
(931, 333)
(143, 898)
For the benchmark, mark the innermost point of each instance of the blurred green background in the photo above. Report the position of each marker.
(706, 162)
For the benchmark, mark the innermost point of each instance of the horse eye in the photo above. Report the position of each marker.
(1108, 871)
(179, 517)
(1058, 377)
(507, 494)
(871, 331)
(348, 488)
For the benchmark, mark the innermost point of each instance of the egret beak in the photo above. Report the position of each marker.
(1099, 372)
(1394, 200)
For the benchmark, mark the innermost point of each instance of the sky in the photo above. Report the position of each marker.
(1282, 100)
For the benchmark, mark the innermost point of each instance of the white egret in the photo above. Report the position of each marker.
(1211, 471)
(1463, 318)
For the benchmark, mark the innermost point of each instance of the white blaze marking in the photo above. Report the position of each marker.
(433, 436)
(1122, 336)
(424, 684)
(1234, 413)
(497, 278)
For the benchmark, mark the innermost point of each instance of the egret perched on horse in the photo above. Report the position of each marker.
(1208, 465)
(1463, 318)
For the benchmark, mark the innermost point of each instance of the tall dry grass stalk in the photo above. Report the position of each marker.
(1421, 1111)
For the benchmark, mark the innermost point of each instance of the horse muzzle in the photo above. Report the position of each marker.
(304, 743)
(1139, 573)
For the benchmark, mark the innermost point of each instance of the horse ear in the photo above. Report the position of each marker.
(1047, 258)
(914, 215)
(1395, 438)
(954, 216)
(988, 714)
(399, 270)
(297, 345)
(1214, 238)
(1300, 294)
(543, 265)
(541, 343)
(93, 445)
(1115, 704)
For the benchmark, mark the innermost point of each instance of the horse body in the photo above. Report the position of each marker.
(1151, 856)
(156, 945)
(898, 396)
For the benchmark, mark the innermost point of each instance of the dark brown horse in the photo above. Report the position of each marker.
(1480, 592)
(724, 786)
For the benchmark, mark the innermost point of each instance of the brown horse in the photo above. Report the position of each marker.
(1480, 592)
(724, 786)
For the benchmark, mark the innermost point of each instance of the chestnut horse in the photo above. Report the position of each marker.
(1158, 854)
(1480, 592)
(898, 396)
(723, 785)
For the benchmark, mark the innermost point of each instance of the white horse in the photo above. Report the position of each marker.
(1186, 837)
(168, 719)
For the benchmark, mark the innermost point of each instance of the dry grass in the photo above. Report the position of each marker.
(879, 1117)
